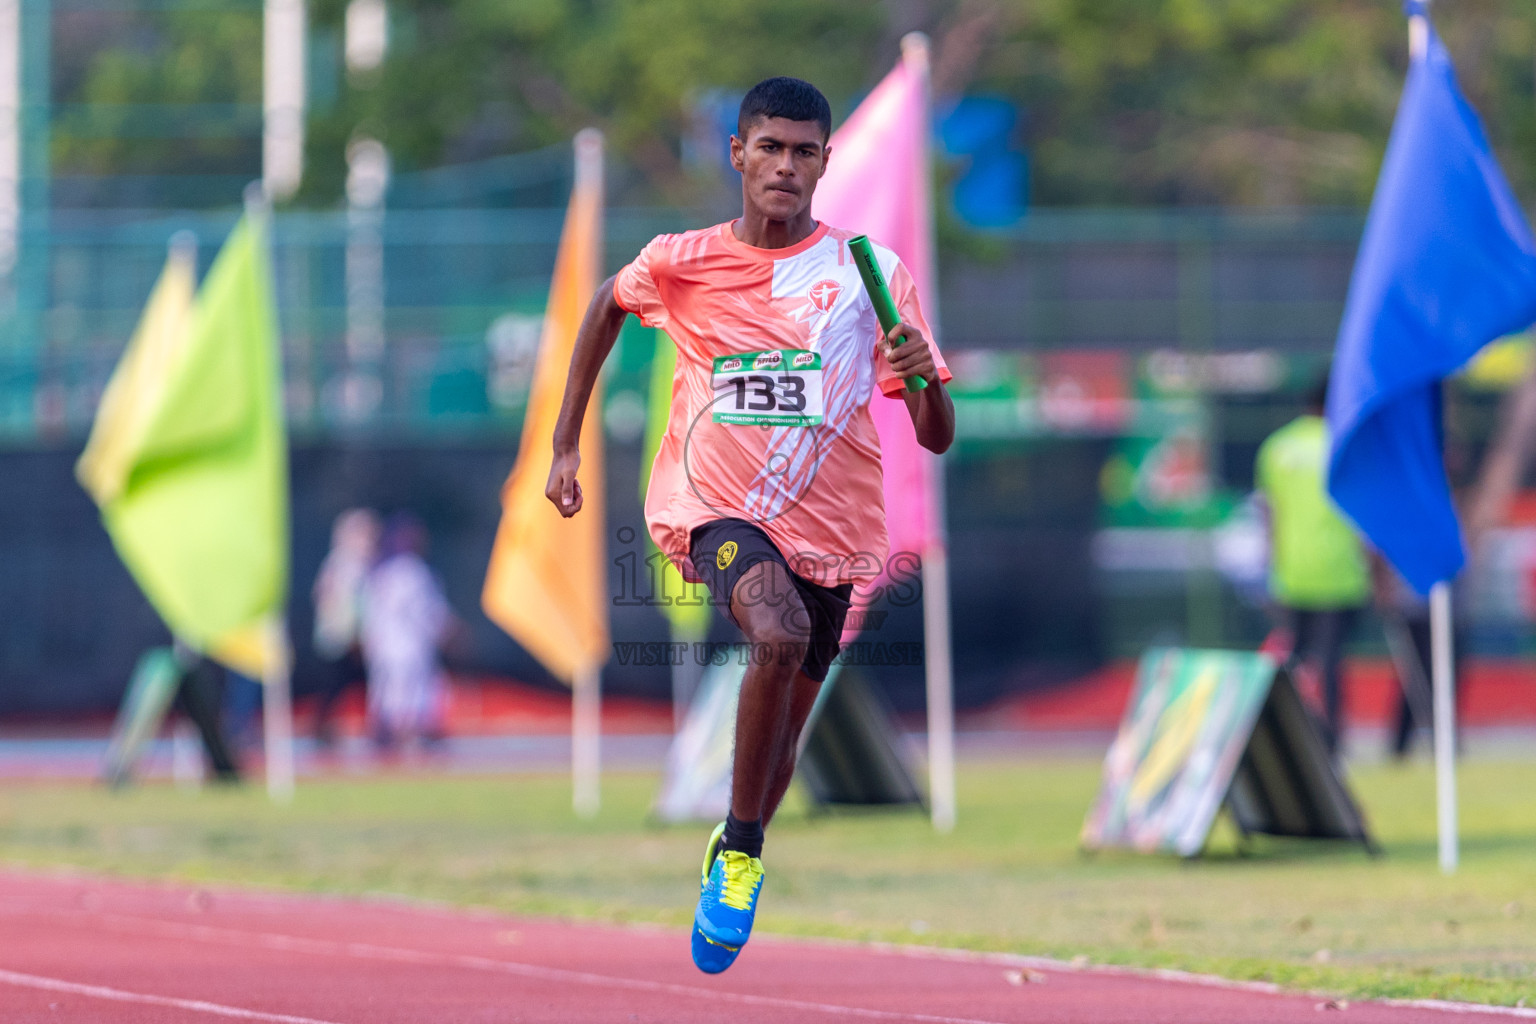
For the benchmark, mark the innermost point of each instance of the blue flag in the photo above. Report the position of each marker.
(1447, 264)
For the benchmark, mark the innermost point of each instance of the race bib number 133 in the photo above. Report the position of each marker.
(778, 388)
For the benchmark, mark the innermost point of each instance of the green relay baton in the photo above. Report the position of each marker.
(879, 293)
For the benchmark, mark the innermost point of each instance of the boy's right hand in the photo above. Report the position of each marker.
(563, 490)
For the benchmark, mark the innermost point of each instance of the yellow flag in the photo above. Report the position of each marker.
(134, 392)
(253, 650)
(546, 581)
(188, 457)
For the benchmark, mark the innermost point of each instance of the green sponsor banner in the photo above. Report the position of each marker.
(1180, 743)
(1160, 473)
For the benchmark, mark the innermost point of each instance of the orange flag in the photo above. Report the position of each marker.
(546, 583)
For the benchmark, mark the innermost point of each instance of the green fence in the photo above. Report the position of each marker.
(1159, 328)
(460, 291)
(457, 294)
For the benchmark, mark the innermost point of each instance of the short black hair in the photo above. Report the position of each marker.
(789, 98)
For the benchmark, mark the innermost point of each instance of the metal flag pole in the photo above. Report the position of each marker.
(277, 661)
(586, 687)
(939, 668)
(1418, 30)
(1441, 655)
(277, 712)
(186, 752)
(26, 55)
(938, 660)
(586, 741)
(10, 148)
(283, 96)
(1445, 722)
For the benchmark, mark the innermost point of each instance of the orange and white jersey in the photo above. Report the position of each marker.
(777, 360)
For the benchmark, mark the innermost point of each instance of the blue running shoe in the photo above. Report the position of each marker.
(729, 900)
(711, 957)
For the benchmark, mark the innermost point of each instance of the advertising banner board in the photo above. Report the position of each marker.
(1206, 729)
(696, 785)
(852, 753)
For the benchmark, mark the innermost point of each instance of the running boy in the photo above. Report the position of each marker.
(767, 485)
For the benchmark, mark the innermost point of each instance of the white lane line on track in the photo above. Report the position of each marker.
(1156, 973)
(394, 954)
(276, 941)
(1446, 1006)
(123, 996)
(896, 949)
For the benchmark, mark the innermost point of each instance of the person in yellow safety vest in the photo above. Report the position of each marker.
(1319, 575)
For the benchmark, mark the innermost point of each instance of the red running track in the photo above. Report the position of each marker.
(78, 948)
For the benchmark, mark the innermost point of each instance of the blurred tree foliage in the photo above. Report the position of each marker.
(1242, 102)
(113, 66)
(472, 78)
(1233, 102)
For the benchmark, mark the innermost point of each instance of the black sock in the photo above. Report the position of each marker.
(746, 836)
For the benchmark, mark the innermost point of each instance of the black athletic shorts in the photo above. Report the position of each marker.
(722, 549)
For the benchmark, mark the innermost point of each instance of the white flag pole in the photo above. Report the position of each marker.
(586, 740)
(186, 752)
(1445, 722)
(277, 712)
(586, 687)
(283, 96)
(1418, 35)
(1440, 633)
(938, 659)
(939, 666)
(11, 122)
(277, 664)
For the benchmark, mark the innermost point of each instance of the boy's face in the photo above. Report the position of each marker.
(780, 163)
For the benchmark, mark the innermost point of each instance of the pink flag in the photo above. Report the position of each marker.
(877, 184)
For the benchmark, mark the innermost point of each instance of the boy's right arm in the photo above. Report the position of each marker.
(599, 329)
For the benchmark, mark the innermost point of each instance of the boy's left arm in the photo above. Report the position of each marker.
(932, 412)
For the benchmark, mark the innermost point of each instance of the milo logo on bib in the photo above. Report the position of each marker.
(767, 360)
(728, 365)
(803, 359)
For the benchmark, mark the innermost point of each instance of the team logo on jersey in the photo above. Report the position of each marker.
(803, 359)
(824, 293)
(726, 554)
(730, 365)
(768, 360)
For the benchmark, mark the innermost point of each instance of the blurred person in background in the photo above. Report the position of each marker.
(1405, 617)
(1319, 574)
(1404, 612)
(241, 711)
(224, 713)
(338, 596)
(406, 620)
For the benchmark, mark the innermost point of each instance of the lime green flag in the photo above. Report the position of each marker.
(188, 456)
(690, 621)
(658, 405)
